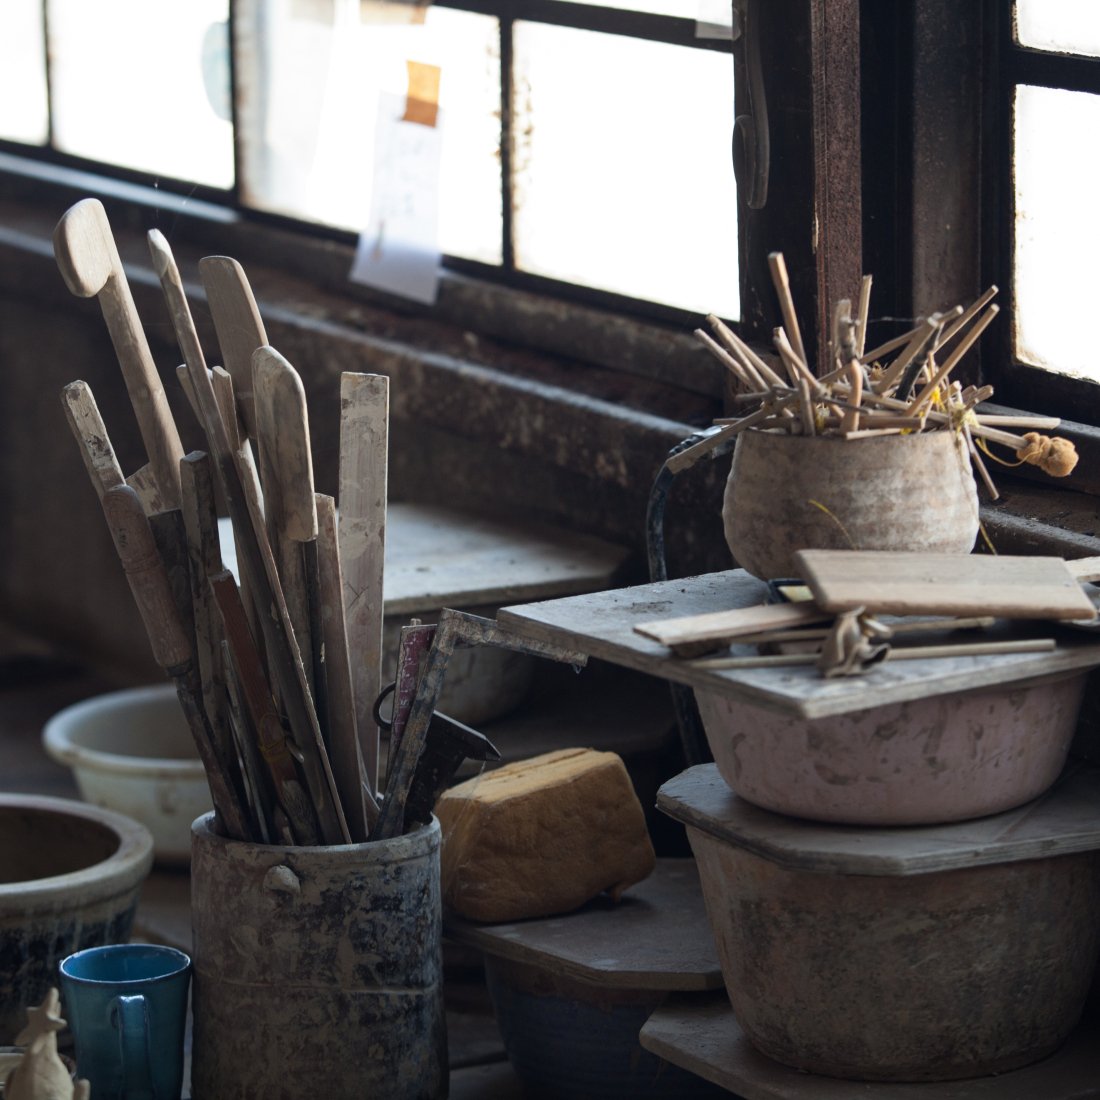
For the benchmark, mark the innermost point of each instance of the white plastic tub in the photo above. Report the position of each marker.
(131, 751)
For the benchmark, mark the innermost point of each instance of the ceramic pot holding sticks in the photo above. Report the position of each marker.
(899, 492)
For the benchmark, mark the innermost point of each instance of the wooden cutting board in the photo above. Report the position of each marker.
(904, 583)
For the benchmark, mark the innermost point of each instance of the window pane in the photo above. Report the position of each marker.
(23, 110)
(314, 76)
(143, 84)
(1057, 230)
(623, 179)
(1060, 26)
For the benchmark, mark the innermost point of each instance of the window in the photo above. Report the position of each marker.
(1049, 93)
(583, 145)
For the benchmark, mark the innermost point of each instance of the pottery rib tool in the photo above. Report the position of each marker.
(90, 265)
(363, 488)
(345, 751)
(149, 584)
(255, 558)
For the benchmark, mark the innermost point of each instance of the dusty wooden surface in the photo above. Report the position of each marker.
(656, 937)
(1062, 821)
(703, 1036)
(602, 625)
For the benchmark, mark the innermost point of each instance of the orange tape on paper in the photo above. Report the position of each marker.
(422, 101)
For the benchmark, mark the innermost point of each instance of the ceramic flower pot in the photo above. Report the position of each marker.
(898, 492)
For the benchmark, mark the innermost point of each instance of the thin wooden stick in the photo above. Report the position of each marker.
(736, 346)
(364, 446)
(864, 311)
(778, 267)
(343, 737)
(965, 316)
(912, 349)
(909, 653)
(743, 372)
(964, 346)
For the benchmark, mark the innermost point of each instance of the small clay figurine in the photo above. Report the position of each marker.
(41, 1075)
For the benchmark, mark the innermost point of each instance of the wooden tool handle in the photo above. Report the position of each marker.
(148, 578)
(89, 262)
(91, 433)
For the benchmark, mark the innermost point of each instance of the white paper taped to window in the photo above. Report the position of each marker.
(714, 19)
(399, 250)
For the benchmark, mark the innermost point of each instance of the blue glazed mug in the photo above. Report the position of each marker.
(126, 1005)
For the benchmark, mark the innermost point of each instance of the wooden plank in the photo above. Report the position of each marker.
(602, 625)
(702, 1035)
(1060, 822)
(656, 937)
(708, 631)
(919, 583)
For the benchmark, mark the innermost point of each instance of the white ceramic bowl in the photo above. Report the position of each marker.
(131, 751)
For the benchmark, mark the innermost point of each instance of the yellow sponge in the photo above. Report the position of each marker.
(542, 836)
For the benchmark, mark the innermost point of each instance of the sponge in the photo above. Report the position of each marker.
(542, 836)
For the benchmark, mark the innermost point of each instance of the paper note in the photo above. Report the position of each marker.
(393, 11)
(714, 19)
(399, 251)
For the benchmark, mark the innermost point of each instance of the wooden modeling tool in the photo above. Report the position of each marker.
(238, 325)
(255, 559)
(149, 584)
(363, 489)
(345, 752)
(290, 509)
(89, 262)
(275, 747)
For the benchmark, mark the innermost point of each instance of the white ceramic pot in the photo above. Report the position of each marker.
(945, 758)
(131, 751)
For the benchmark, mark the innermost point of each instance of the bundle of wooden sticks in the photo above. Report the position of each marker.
(262, 669)
(902, 386)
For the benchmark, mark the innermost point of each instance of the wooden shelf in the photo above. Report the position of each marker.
(702, 1036)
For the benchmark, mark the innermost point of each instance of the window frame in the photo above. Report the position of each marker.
(1008, 65)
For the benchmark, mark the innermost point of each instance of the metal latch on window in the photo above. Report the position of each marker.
(751, 147)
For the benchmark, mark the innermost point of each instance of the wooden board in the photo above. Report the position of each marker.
(714, 628)
(601, 624)
(918, 583)
(1062, 821)
(441, 557)
(702, 1035)
(657, 937)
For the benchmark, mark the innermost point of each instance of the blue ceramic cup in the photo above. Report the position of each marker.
(126, 1005)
